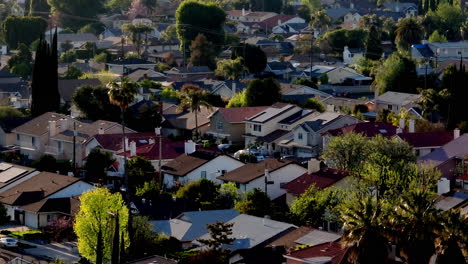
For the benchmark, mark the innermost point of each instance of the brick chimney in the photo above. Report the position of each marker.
(456, 133)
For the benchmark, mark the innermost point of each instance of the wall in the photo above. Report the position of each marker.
(3, 138)
(234, 130)
(339, 75)
(73, 190)
(31, 220)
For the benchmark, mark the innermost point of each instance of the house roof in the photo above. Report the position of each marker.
(68, 87)
(424, 50)
(68, 205)
(457, 148)
(287, 241)
(12, 172)
(72, 37)
(252, 171)
(271, 113)
(7, 74)
(36, 188)
(316, 237)
(398, 98)
(131, 61)
(330, 253)
(271, 137)
(239, 114)
(321, 179)
(186, 163)
(10, 123)
(321, 121)
(296, 117)
(337, 13)
(169, 150)
(190, 69)
(186, 119)
(427, 139)
(368, 129)
(190, 226)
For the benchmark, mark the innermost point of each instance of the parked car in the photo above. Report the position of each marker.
(8, 242)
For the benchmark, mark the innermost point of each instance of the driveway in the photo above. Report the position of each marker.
(67, 251)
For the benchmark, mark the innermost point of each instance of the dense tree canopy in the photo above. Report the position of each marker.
(75, 14)
(24, 30)
(262, 92)
(254, 58)
(39, 8)
(94, 103)
(202, 52)
(334, 41)
(97, 164)
(398, 74)
(408, 32)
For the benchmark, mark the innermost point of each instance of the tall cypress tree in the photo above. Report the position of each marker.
(44, 85)
(426, 6)
(373, 48)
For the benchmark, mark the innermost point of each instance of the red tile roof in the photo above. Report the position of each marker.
(427, 139)
(368, 129)
(114, 142)
(239, 114)
(170, 150)
(322, 179)
(333, 250)
(272, 22)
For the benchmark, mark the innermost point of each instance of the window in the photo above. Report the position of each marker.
(33, 141)
(257, 128)
(59, 146)
(219, 125)
(17, 137)
(203, 174)
(390, 107)
(299, 136)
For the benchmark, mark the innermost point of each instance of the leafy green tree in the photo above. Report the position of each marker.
(72, 73)
(334, 41)
(398, 74)
(46, 162)
(255, 202)
(139, 171)
(202, 52)
(304, 13)
(93, 28)
(451, 238)
(150, 190)
(347, 152)
(170, 34)
(170, 93)
(39, 8)
(306, 82)
(94, 103)
(68, 57)
(312, 4)
(136, 33)
(23, 56)
(44, 85)
(372, 45)
(262, 92)
(453, 82)
(447, 19)
(219, 235)
(198, 194)
(228, 195)
(320, 20)
(117, 6)
(24, 30)
(4, 218)
(437, 37)
(9, 112)
(97, 164)
(66, 11)
(101, 57)
(193, 98)
(94, 223)
(408, 32)
(22, 69)
(314, 103)
(193, 18)
(230, 69)
(238, 100)
(254, 58)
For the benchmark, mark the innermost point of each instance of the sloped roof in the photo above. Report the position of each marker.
(321, 121)
(457, 148)
(186, 163)
(169, 150)
(63, 37)
(252, 171)
(316, 237)
(288, 240)
(10, 123)
(330, 252)
(321, 179)
(427, 139)
(68, 87)
(271, 112)
(239, 114)
(368, 129)
(186, 119)
(67, 205)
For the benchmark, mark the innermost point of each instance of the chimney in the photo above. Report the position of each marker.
(63, 123)
(397, 8)
(52, 128)
(346, 48)
(313, 165)
(190, 147)
(234, 87)
(101, 131)
(132, 148)
(126, 143)
(402, 123)
(267, 173)
(279, 22)
(443, 186)
(243, 11)
(351, 5)
(456, 133)
(411, 126)
(151, 141)
(399, 131)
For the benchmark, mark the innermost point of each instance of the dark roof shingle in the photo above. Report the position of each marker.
(252, 171)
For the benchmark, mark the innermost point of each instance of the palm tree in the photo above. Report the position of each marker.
(408, 32)
(364, 231)
(193, 98)
(414, 224)
(122, 94)
(451, 238)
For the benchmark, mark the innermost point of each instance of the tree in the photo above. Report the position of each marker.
(451, 238)
(65, 12)
(39, 8)
(72, 73)
(4, 218)
(453, 82)
(408, 32)
(139, 171)
(68, 57)
(22, 69)
(193, 98)
(193, 18)
(93, 28)
(447, 19)
(198, 194)
(9, 112)
(46, 162)
(255, 202)
(142, 8)
(202, 52)
(94, 103)
(101, 57)
(22, 57)
(372, 45)
(228, 195)
(230, 69)
(347, 152)
(44, 85)
(24, 30)
(262, 92)
(306, 82)
(334, 41)
(170, 34)
(320, 20)
(398, 74)
(97, 164)
(94, 223)
(118, 6)
(314, 103)
(237, 100)
(304, 13)
(219, 235)
(437, 37)
(312, 4)
(136, 33)
(254, 58)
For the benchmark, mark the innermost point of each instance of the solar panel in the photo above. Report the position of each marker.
(5, 166)
(11, 173)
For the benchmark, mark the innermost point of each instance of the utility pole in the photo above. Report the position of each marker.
(267, 174)
(74, 147)
(159, 136)
(311, 50)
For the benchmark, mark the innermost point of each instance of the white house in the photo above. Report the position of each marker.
(440, 50)
(196, 165)
(268, 176)
(351, 56)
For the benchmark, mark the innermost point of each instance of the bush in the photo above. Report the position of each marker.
(101, 57)
(83, 54)
(360, 108)
(315, 104)
(248, 158)
(45, 162)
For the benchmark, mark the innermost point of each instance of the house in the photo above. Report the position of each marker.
(76, 39)
(409, 9)
(328, 252)
(351, 20)
(197, 164)
(68, 87)
(42, 198)
(289, 28)
(3, 49)
(306, 237)
(440, 50)
(228, 123)
(449, 158)
(320, 177)
(268, 175)
(190, 72)
(424, 143)
(352, 56)
(124, 66)
(184, 123)
(53, 133)
(395, 101)
(111, 32)
(13, 174)
(305, 139)
(190, 226)
(6, 126)
(280, 69)
(15, 94)
(156, 45)
(9, 78)
(335, 74)
(249, 16)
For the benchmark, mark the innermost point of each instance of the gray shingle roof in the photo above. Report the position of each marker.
(454, 149)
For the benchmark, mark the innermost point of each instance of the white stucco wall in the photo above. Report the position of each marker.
(73, 190)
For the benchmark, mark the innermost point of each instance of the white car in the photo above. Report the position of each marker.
(8, 242)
